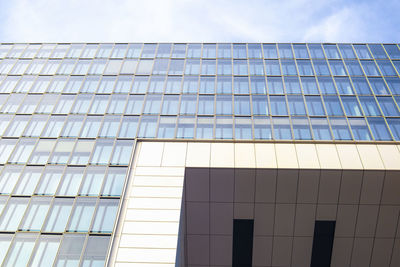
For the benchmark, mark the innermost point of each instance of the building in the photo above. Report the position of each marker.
(199, 154)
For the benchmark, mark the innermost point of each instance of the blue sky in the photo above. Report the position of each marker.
(199, 21)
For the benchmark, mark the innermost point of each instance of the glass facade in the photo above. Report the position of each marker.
(70, 113)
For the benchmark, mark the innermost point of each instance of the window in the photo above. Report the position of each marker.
(331, 51)
(49, 181)
(296, 105)
(64, 104)
(205, 126)
(6, 147)
(105, 216)
(326, 85)
(6, 65)
(300, 51)
(17, 126)
(4, 121)
(166, 127)
(285, 51)
(278, 105)
(70, 182)
(54, 126)
(333, 106)
(343, 85)
(354, 68)
(192, 67)
(91, 127)
(224, 67)
(47, 103)
(275, 85)
(194, 51)
(70, 250)
(288, 67)
(135, 104)
(254, 51)
(114, 181)
(240, 67)
(347, 51)
(90, 84)
(361, 85)
(22, 151)
(224, 105)
(170, 105)
(20, 67)
(41, 84)
(242, 105)
(206, 105)
(89, 51)
(57, 84)
(392, 50)
(152, 105)
(98, 66)
(129, 66)
(394, 125)
(260, 105)
(292, 85)
(119, 51)
(320, 128)
(20, 250)
(8, 179)
(75, 50)
(243, 128)
(337, 67)
(134, 50)
(66, 66)
(62, 151)
(128, 127)
(378, 86)
(190, 85)
(258, 85)
(340, 129)
(58, 215)
(272, 67)
(156, 84)
(305, 67)
(316, 51)
(208, 67)
(35, 214)
(223, 128)
(241, 85)
(394, 85)
(45, 251)
(82, 151)
(321, 67)
(42, 151)
(99, 104)
(104, 50)
(188, 104)
(209, 50)
(369, 106)
(81, 215)
(24, 85)
(102, 152)
(51, 67)
(60, 51)
(239, 51)
(377, 50)
(386, 68)
(315, 106)
(179, 50)
(123, 84)
(281, 128)
(362, 51)
(96, 251)
(262, 128)
(117, 104)
(370, 68)
(107, 84)
(379, 129)
(82, 67)
(185, 127)
(8, 84)
(301, 128)
(12, 214)
(13, 102)
(92, 181)
(270, 51)
(309, 85)
(173, 85)
(122, 152)
(207, 85)
(388, 106)
(360, 129)
(164, 50)
(72, 126)
(161, 66)
(351, 106)
(82, 104)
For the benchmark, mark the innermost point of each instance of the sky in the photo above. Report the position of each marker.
(199, 21)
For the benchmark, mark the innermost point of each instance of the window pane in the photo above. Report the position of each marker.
(378, 86)
(316, 51)
(224, 105)
(122, 152)
(392, 50)
(388, 106)
(309, 85)
(326, 85)
(110, 126)
(45, 251)
(361, 86)
(70, 250)
(343, 85)
(192, 67)
(96, 251)
(354, 68)
(394, 125)
(296, 105)
(22, 151)
(223, 128)
(347, 51)
(5, 241)
(128, 127)
(386, 68)
(321, 129)
(173, 85)
(282, 129)
(105, 216)
(166, 127)
(278, 105)
(292, 85)
(205, 126)
(209, 50)
(305, 67)
(351, 106)
(270, 51)
(379, 129)
(89, 51)
(64, 104)
(20, 250)
(71, 181)
(102, 152)
(35, 214)
(114, 182)
(188, 104)
(62, 151)
(164, 50)
(241, 85)
(13, 213)
(91, 127)
(275, 85)
(331, 51)
(82, 152)
(262, 128)
(254, 51)
(301, 128)
(17, 126)
(333, 106)
(152, 105)
(208, 67)
(224, 85)
(288, 67)
(134, 51)
(9, 178)
(82, 214)
(321, 67)
(206, 105)
(260, 105)
(92, 181)
(337, 67)
(258, 85)
(190, 84)
(49, 181)
(362, 51)
(377, 50)
(360, 129)
(224, 67)
(194, 50)
(148, 126)
(300, 50)
(369, 106)
(99, 104)
(72, 126)
(160, 66)
(285, 51)
(156, 84)
(58, 215)
(240, 67)
(242, 105)
(42, 151)
(315, 106)
(243, 128)
(340, 129)
(272, 67)
(394, 85)
(370, 68)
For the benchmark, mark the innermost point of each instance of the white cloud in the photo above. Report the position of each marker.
(183, 21)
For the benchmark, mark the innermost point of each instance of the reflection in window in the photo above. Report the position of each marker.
(285, 51)
(82, 151)
(156, 84)
(394, 85)
(361, 86)
(351, 106)
(58, 215)
(207, 85)
(224, 67)
(173, 85)
(370, 68)
(309, 85)
(278, 105)
(82, 214)
(192, 67)
(296, 105)
(316, 51)
(99, 104)
(394, 125)
(42, 151)
(333, 106)
(206, 105)
(105, 216)
(194, 51)
(209, 50)
(275, 85)
(288, 67)
(64, 104)
(360, 129)
(188, 104)
(242, 105)
(378, 86)
(388, 106)
(5, 241)
(321, 67)
(22, 151)
(369, 106)
(337, 67)
(272, 67)
(305, 67)
(152, 105)
(326, 85)
(292, 85)
(164, 50)
(321, 129)
(114, 181)
(190, 84)
(224, 85)
(343, 85)
(70, 250)
(57, 84)
(340, 129)
(392, 50)
(62, 151)
(301, 128)
(117, 104)
(258, 85)
(72, 126)
(347, 51)
(208, 67)
(260, 105)
(240, 67)
(331, 51)
(241, 85)
(6, 147)
(17, 126)
(134, 50)
(354, 68)
(386, 68)
(239, 51)
(166, 127)
(224, 105)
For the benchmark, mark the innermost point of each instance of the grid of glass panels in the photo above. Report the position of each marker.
(69, 115)
(201, 91)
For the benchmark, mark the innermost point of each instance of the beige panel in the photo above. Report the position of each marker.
(286, 156)
(366, 220)
(370, 157)
(341, 252)
(349, 157)
(286, 189)
(329, 184)
(149, 241)
(371, 189)
(154, 191)
(152, 215)
(346, 220)
(155, 228)
(221, 250)
(141, 264)
(262, 251)
(221, 217)
(305, 220)
(154, 203)
(390, 156)
(174, 154)
(350, 187)
(302, 247)
(307, 191)
(265, 156)
(264, 219)
(198, 155)
(146, 255)
(162, 171)
(326, 212)
(361, 248)
(244, 155)
(284, 219)
(282, 251)
(328, 156)
(222, 155)
(391, 195)
(150, 154)
(307, 156)
(245, 180)
(158, 181)
(243, 211)
(196, 254)
(197, 184)
(381, 252)
(265, 185)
